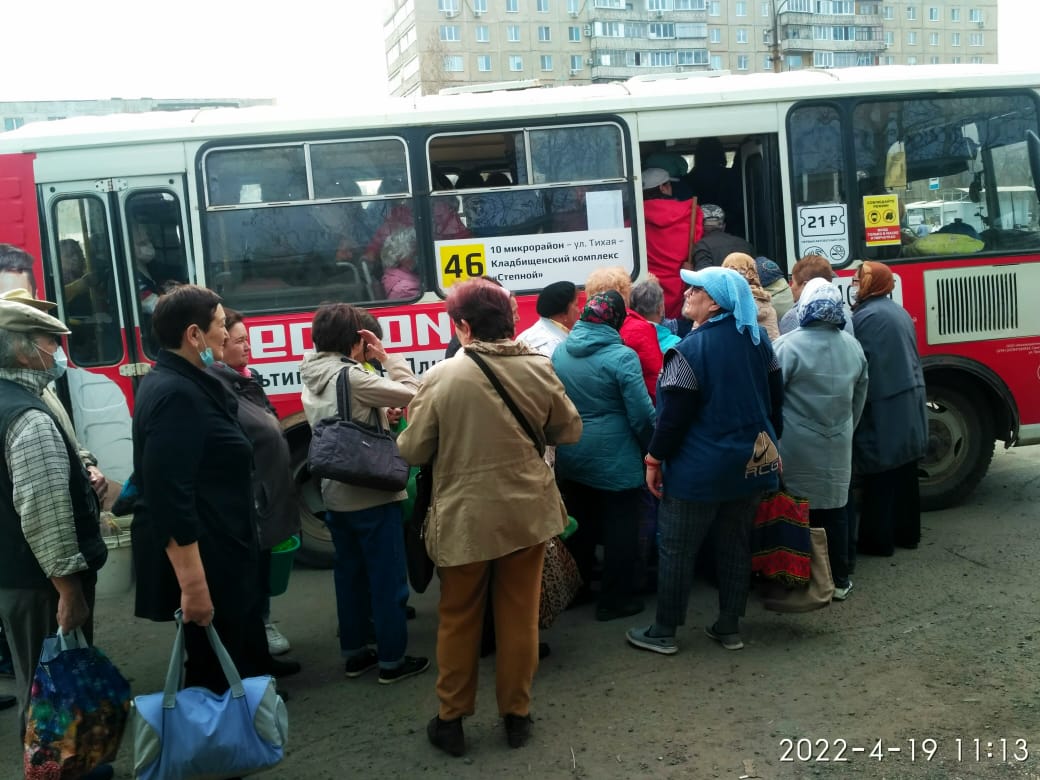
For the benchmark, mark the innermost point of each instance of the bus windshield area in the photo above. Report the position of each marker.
(938, 175)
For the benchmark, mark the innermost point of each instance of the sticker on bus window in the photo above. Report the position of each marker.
(881, 218)
(823, 229)
(530, 262)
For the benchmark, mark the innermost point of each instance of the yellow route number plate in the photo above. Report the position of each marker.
(459, 263)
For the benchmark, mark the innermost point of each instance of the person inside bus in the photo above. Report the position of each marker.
(712, 181)
(400, 279)
(676, 166)
(672, 226)
(716, 244)
(142, 251)
(503, 213)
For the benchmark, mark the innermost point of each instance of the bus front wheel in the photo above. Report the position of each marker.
(316, 548)
(960, 446)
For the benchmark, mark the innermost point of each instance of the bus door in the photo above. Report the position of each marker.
(760, 173)
(112, 244)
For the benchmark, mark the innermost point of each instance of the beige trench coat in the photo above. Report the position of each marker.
(493, 493)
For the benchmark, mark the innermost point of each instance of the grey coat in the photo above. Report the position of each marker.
(894, 428)
(825, 388)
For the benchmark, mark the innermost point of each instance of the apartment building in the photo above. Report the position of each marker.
(435, 44)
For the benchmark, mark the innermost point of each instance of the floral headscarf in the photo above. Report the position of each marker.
(875, 280)
(605, 308)
(821, 301)
(731, 292)
(744, 265)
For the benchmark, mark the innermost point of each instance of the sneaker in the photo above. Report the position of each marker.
(447, 735)
(639, 637)
(518, 730)
(277, 644)
(840, 594)
(359, 664)
(626, 608)
(728, 641)
(410, 667)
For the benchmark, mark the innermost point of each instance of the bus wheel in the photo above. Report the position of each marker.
(960, 446)
(315, 541)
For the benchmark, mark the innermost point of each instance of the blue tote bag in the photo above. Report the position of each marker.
(194, 734)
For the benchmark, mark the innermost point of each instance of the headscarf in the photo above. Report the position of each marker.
(745, 266)
(605, 308)
(768, 271)
(875, 280)
(731, 292)
(821, 301)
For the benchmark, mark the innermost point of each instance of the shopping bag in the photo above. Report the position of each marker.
(817, 594)
(77, 711)
(780, 545)
(194, 734)
(560, 582)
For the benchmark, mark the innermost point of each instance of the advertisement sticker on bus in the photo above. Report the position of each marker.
(881, 219)
(533, 261)
(823, 229)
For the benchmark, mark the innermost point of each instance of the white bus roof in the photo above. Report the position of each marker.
(617, 97)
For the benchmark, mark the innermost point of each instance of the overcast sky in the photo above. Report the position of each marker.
(297, 50)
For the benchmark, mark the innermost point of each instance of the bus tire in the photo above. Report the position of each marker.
(960, 445)
(316, 549)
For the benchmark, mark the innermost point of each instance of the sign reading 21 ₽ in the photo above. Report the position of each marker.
(962, 750)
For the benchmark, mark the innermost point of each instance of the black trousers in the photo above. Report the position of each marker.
(890, 510)
(610, 518)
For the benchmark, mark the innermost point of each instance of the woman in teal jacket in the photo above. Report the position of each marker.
(601, 476)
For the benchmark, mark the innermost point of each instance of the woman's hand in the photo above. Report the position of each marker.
(373, 346)
(197, 606)
(654, 477)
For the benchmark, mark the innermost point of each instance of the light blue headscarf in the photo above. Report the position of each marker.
(820, 301)
(731, 292)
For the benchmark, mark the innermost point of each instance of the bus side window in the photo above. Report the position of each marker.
(87, 291)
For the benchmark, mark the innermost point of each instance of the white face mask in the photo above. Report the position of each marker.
(60, 365)
(145, 252)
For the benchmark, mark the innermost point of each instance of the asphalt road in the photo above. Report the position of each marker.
(935, 649)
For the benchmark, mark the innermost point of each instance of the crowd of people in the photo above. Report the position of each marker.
(656, 442)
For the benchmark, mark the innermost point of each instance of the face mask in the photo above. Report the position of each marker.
(206, 356)
(60, 365)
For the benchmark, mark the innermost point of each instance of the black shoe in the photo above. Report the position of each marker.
(6, 702)
(278, 668)
(544, 651)
(447, 735)
(359, 664)
(411, 667)
(518, 730)
(626, 608)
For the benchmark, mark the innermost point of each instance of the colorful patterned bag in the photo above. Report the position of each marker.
(560, 582)
(78, 710)
(780, 542)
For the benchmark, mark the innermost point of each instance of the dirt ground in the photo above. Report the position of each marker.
(941, 643)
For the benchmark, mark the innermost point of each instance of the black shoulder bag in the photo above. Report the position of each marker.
(353, 453)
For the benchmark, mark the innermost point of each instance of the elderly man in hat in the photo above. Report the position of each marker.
(50, 544)
(717, 244)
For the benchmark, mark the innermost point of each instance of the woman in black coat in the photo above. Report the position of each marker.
(194, 529)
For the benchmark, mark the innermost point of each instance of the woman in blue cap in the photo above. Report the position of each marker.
(713, 453)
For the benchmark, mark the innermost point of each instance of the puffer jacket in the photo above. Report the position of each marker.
(370, 395)
(603, 378)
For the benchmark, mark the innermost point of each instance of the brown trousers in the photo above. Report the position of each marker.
(515, 584)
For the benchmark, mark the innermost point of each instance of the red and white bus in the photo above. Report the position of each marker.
(926, 168)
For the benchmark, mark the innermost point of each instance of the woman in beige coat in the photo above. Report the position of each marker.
(745, 266)
(494, 504)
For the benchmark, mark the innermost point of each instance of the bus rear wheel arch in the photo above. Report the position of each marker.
(316, 549)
